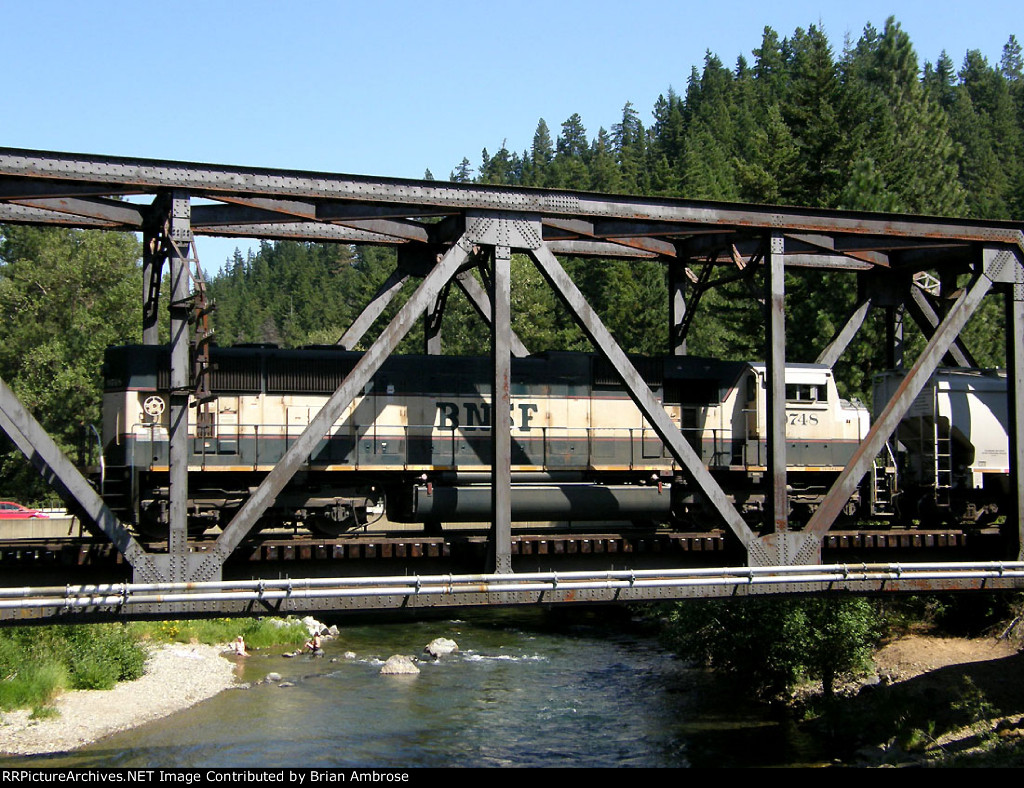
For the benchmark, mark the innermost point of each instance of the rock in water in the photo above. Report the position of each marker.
(399, 664)
(441, 647)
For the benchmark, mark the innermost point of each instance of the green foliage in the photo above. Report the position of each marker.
(36, 664)
(65, 295)
(768, 645)
(258, 632)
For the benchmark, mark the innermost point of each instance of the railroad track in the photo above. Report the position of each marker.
(714, 546)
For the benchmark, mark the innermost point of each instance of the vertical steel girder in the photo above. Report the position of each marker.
(384, 296)
(678, 283)
(1014, 303)
(501, 430)
(152, 273)
(179, 239)
(778, 502)
(58, 471)
(940, 342)
(298, 453)
(894, 316)
(645, 400)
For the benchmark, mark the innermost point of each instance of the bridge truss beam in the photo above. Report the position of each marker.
(443, 230)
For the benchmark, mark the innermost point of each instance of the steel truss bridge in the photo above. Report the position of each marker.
(442, 231)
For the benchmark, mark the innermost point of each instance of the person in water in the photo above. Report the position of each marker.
(314, 644)
(240, 647)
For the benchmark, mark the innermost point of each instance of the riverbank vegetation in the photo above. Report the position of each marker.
(257, 632)
(39, 663)
(925, 679)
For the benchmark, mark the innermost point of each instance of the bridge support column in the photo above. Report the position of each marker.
(678, 283)
(1014, 305)
(775, 297)
(178, 238)
(501, 429)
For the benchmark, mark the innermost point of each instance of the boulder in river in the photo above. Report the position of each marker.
(441, 647)
(399, 664)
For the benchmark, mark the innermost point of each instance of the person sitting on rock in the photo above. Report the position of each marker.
(314, 645)
(239, 646)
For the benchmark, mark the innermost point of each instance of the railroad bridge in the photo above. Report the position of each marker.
(464, 235)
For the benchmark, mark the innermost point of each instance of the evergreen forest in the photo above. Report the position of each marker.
(867, 126)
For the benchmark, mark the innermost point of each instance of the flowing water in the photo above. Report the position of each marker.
(522, 691)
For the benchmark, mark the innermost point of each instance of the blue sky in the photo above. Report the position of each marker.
(390, 88)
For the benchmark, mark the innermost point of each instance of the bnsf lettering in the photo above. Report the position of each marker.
(478, 414)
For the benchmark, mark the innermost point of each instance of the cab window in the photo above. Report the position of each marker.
(802, 392)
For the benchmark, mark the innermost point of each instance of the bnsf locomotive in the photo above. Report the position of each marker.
(417, 440)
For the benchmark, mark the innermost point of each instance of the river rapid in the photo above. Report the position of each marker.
(526, 689)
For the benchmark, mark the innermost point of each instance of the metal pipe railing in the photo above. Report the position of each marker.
(122, 595)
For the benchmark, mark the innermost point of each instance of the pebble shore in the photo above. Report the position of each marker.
(177, 676)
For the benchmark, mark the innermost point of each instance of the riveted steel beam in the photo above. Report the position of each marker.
(1014, 305)
(645, 400)
(122, 174)
(177, 241)
(501, 430)
(39, 448)
(300, 231)
(927, 318)
(123, 214)
(298, 453)
(12, 213)
(890, 417)
(775, 385)
(481, 302)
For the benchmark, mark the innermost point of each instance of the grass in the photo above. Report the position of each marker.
(258, 633)
(39, 663)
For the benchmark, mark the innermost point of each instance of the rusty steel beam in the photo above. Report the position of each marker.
(904, 396)
(298, 453)
(775, 357)
(384, 296)
(641, 394)
(501, 428)
(481, 302)
(122, 174)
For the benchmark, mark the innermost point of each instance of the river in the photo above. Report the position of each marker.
(525, 689)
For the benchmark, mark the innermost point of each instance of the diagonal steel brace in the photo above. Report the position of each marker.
(641, 394)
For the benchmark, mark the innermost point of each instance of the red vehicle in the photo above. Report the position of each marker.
(9, 510)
